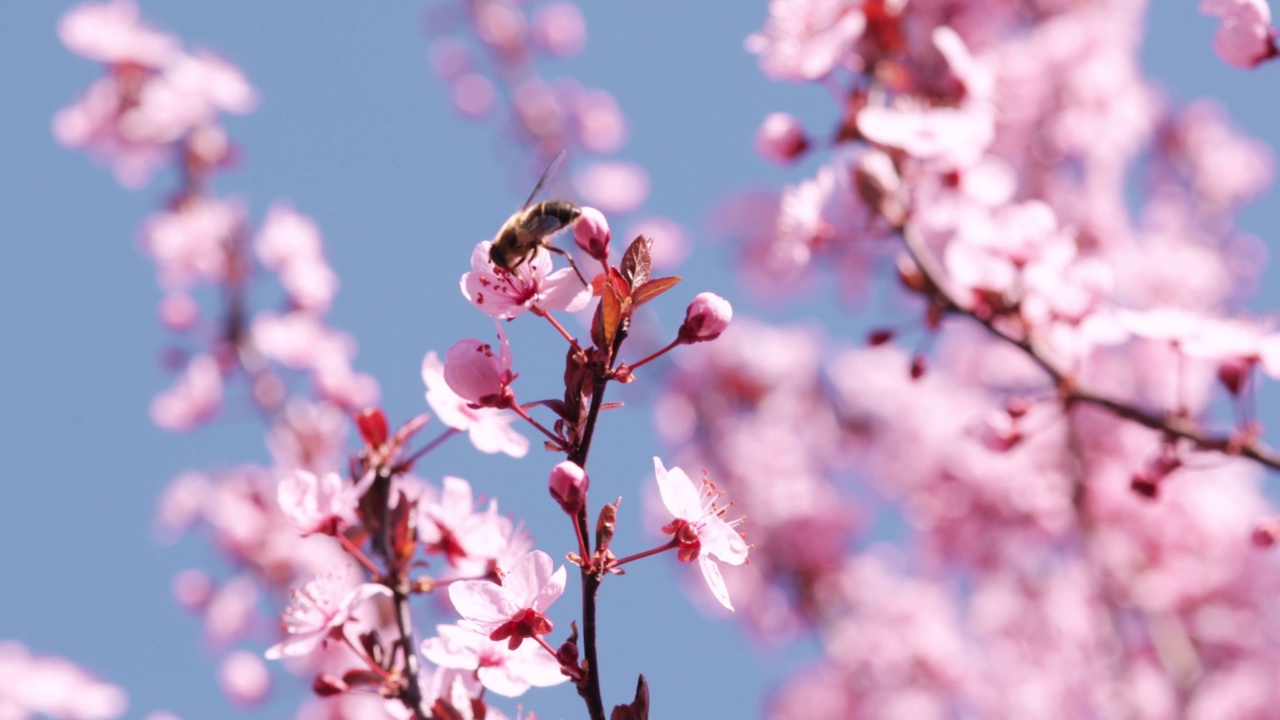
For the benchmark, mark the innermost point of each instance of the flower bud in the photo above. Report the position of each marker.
(781, 138)
(569, 484)
(708, 316)
(372, 423)
(591, 232)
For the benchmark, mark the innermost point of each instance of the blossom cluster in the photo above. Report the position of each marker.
(1075, 514)
(356, 536)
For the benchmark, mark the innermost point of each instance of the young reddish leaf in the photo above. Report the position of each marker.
(610, 314)
(636, 263)
(653, 289)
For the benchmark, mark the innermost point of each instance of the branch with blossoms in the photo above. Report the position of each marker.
(478, 374)
(358, 545)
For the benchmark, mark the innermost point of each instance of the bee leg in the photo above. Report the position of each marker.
(569, 257)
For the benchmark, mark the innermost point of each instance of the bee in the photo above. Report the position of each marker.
(532, 226)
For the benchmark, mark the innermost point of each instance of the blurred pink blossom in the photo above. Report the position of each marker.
(244, 678)
(505, 671)
(53, 687)
(193, 400)
(319, 610)
(614, 187)
(559, 28)
(807, 39)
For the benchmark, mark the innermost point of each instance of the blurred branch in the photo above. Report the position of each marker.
(1174, 426)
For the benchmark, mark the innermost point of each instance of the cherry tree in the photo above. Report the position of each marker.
(1062, 435)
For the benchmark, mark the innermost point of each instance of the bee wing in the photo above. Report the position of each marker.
(540, 226)
(550, 172)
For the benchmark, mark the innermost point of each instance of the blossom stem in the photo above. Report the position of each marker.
(359, 651)
(529, 418)
(660, 549)
(674, 344)
(398, 582)
(556, 324)
(358, 554)
(590, 689)
(407, 464)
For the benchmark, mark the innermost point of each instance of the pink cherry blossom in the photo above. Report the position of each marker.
(231, 611)
(452, 526)
(52, 687)
(489, 428)
(113, 32)
(781, 138)
(500, 668)
(560, 28)
(1245, 37)
(614, 187)
(532, 285)
(319, 610)
(515, 610)
(601, 127)
(190, 245)
(194, 399)
(477, 375)
(322, 503)
(807, 39)
(700, 528)
(244, 678)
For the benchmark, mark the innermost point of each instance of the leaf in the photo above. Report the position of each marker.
(636, 262)
(653, 289)
(638, 709)
(610, 318)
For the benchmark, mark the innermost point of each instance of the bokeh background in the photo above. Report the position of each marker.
(355, 131)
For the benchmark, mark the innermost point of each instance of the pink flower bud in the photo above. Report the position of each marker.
(708, 316)
(781, 138)
(591, 232)
(477, 375)
(569, 484)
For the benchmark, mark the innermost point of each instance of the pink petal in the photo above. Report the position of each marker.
(677, 491)
(711, 573)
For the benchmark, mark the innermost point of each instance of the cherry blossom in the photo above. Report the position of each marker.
(781, 138)
(53, 687)
(194, 399)
(477, 375)
(489, 428)
(323, 503)
(452, 526)
(515, 610)
(700, 528)
(319, 610)
(504, 670)
(807, 39)
(505, 294)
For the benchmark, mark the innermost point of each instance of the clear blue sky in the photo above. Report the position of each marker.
(355, 131)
